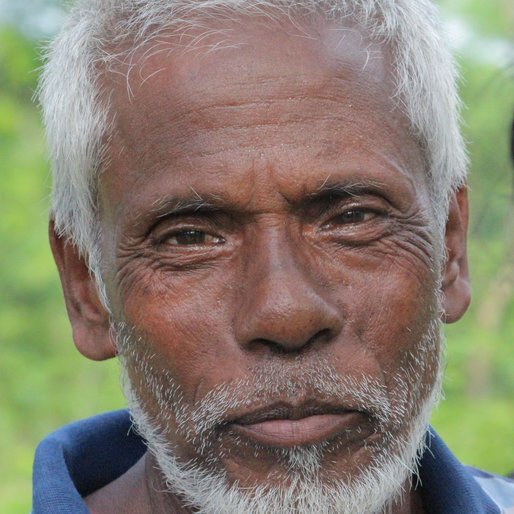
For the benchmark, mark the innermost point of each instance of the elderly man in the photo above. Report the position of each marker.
(260, 208)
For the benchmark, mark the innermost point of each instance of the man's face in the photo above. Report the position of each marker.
(267, 226)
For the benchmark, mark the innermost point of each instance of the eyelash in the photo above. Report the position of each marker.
(182, 231)
(368, 212)
(359, 211)
(332, 223)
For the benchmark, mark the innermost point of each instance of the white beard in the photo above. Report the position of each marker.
(374, 490)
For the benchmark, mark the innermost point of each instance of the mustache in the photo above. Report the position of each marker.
(300, 386)
(306, 389)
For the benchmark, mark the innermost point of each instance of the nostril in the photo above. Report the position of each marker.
(323, 336)
(296, 347)
(266, 346)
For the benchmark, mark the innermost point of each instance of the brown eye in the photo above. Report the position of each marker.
(190, 237)
(353, 216)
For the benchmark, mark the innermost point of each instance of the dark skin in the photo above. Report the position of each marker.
(265, 203)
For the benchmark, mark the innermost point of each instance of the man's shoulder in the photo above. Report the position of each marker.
(84, 456)
(81, 457)
(499, 489)
(448, 486)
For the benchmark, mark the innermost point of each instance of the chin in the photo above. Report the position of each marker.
(330, 477)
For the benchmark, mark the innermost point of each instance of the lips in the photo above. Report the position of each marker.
(286, 426)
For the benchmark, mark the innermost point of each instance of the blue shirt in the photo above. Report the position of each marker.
(79, 458)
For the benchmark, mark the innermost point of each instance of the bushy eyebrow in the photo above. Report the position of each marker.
(347, 188)
(329, 190)
(173, 205)
(176, 205)
(195, 203)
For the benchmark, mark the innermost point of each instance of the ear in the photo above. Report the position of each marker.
(456, 289)
(89, 319)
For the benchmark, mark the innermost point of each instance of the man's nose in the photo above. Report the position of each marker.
(285, 307)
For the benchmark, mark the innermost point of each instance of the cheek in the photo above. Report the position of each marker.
(186, 318)
(390, 316)
(389, 304)
(398, 324)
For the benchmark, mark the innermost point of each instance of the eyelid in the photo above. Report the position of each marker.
(161, 235)
(332, 219)
(175, 234)
(190, 218)
(370, 203)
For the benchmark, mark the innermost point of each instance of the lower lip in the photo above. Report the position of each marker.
(287, 433)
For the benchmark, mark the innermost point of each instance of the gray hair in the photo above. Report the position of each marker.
(76, 110)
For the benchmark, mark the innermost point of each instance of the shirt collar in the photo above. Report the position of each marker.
(81, 457)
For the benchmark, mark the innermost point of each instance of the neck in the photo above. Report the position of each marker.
(142, 490)
(161, 500)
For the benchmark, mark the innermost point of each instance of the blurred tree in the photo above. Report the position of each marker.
(480, 366)
(43, 380)
(45, 383)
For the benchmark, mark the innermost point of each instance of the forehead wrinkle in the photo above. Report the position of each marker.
(327, 49)
(207, 110)
(189, 136)
(200, 111)
(194, 99)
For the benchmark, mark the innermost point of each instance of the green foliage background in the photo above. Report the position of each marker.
(45, 383)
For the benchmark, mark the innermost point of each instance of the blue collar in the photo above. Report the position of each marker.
(81, 457)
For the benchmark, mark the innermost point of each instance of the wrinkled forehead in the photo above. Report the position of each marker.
(242, 94)
(310, 48)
